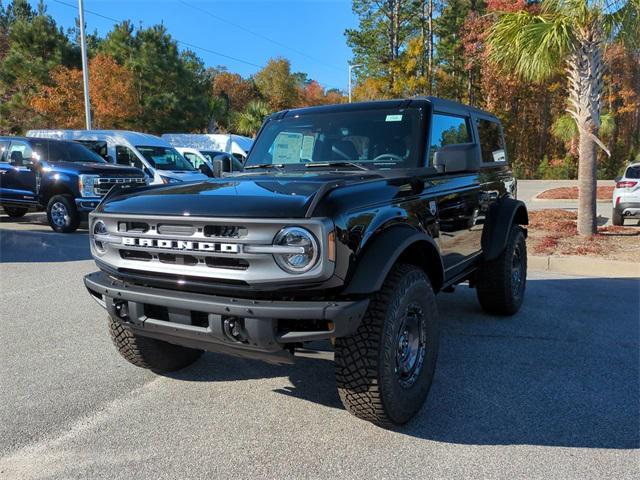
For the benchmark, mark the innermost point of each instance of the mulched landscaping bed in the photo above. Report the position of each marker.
(571, 193)
(554, 232)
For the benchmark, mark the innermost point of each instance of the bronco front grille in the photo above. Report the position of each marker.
(221, 249)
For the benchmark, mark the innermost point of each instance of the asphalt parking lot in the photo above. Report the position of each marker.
(552, 392)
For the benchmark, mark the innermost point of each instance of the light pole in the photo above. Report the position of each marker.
(85, 67)
(351, 68)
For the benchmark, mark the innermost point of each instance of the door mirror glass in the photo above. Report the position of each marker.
(456, 158)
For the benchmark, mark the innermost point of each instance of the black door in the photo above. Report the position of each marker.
(456, 196)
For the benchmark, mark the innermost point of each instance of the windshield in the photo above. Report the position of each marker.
(62, 151)
(165, 158)
(377, 139)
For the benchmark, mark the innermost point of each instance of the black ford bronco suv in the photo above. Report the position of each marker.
(345, 222)
(64, 178)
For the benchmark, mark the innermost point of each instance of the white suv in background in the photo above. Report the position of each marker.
(626, 195)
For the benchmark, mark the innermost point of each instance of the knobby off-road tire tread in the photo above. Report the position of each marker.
(150, 353)
(494, 278)
(357, 356)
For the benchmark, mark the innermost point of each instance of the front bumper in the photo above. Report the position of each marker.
(223, 324)
(87, 204)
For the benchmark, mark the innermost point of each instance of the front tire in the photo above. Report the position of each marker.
(501, 282)
(16, 212)
(384, 371)
(150, 353)
(617, 218)
(62, 214)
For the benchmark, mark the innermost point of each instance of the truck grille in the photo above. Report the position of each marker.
(104, 184)
(221, 249)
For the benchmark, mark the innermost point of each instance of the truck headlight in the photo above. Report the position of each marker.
(86, 185)
(301, 261)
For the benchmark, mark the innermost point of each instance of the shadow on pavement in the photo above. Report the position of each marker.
(563, 372)
(34, 246)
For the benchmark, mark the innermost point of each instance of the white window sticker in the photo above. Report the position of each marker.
(286, 148)
(308, 143)
(393, 118)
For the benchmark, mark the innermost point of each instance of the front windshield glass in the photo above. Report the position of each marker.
(63, 151)
(376, 139)
(165, 158)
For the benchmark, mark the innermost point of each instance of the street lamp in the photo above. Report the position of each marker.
(351, 68)
(85, 67)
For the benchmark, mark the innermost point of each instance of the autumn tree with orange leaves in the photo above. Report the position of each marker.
(111, 88)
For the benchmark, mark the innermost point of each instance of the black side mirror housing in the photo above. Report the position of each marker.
(457, 158)
(617, 179)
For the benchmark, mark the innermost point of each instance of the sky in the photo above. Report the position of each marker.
(310, 33)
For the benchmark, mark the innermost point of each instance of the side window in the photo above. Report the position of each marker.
(193, 159)
(448, 130)
(19, 154)
(491, 141)
(124, 156)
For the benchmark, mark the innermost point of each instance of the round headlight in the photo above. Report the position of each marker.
(301, 261)
(99, 228)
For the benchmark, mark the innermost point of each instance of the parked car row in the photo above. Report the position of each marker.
(67, 172)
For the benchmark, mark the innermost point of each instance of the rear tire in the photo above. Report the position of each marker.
(501, 282)
(384, 371)
(62, 214)
(150, 353)
(617, 218)
(16, 212)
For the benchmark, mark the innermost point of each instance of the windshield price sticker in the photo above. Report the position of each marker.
(287, 148)
(393, 118)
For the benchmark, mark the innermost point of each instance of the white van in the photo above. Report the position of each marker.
(153, 155)
(236, 145)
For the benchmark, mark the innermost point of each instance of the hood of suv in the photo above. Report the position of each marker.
(240, 196)
(92, 168)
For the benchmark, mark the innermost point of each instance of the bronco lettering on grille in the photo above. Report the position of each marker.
(181, 245)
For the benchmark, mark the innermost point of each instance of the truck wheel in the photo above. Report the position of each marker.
(384, 371)
(150, 353)
(617, 218)
(16, 212)
(501, 282)
(62, 214)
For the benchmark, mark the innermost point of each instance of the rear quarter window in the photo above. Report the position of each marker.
(491, 141)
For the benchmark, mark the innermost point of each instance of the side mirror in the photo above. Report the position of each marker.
(109, 159)
(225, 162)
(617, 179)
(218, 167)
(457, 158)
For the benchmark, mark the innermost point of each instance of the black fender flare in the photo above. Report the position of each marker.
(500, 217)
(384, 250)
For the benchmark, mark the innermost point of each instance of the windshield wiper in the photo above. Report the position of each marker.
(277, 166)
(336, 164)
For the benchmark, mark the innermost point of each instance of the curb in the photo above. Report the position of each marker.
(587, 266)
(536, 199)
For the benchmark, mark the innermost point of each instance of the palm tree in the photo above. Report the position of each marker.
(250, 121)
(537, 43)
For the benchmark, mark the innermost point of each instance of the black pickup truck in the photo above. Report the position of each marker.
(64, 178)
(344, 224)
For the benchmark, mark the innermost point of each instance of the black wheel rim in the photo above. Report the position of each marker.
(410, 346)
(516, 271)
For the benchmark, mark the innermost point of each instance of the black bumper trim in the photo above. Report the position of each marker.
(259, 315)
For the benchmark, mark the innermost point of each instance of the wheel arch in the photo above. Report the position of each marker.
(501, 216)
(406, 245)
